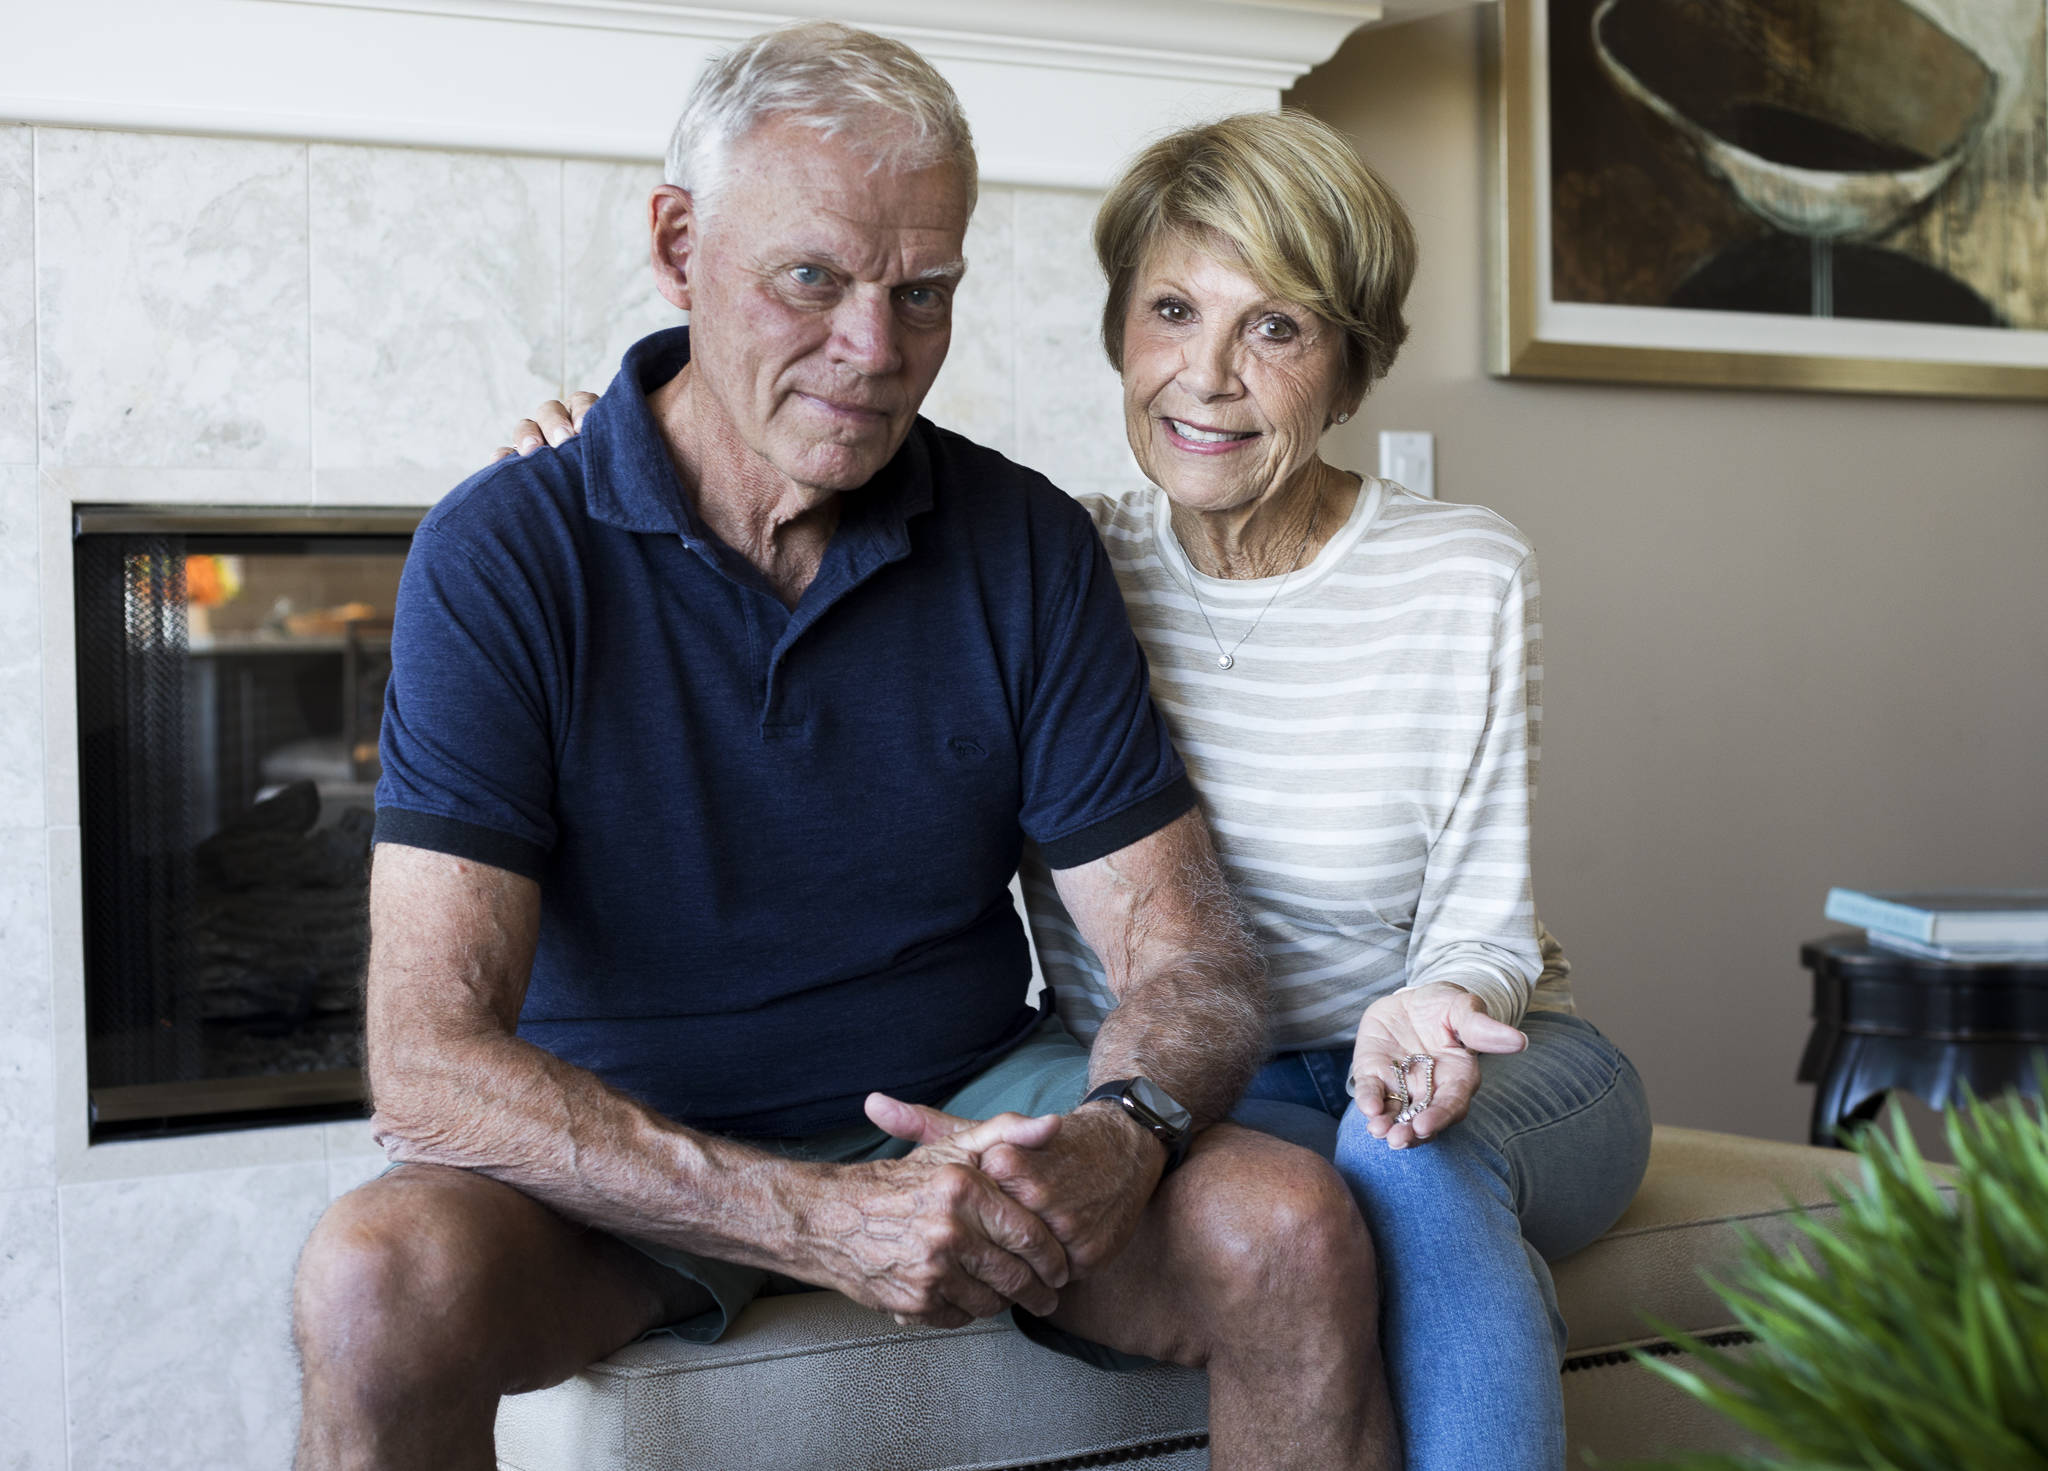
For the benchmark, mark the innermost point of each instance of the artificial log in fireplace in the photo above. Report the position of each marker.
(231, 673)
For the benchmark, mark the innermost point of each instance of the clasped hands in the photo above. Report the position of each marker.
(983, 1213)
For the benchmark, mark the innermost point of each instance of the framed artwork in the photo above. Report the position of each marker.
(1823, 194)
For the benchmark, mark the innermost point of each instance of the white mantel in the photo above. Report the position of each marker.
(1057, 90)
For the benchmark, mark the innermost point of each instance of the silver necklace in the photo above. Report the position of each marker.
(1227, 658)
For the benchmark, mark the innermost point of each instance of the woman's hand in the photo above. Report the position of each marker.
(552, 423)
(1447, 1023)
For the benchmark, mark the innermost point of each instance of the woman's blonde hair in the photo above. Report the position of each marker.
(1311, 222)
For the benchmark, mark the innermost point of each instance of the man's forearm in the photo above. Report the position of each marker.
(928, 1237)
(1198, 1030)
(1191, 1010)
(1189, 981)
(1190, 1015)
(925, 1238)
(451, 945)
(505, 1108)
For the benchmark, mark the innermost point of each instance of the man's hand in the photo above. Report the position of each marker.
(931, 1239)
(1089, 1184)
(1443, 1020)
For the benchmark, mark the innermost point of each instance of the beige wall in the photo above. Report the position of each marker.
(1793, 640)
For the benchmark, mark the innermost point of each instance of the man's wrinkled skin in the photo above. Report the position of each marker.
(821, 298)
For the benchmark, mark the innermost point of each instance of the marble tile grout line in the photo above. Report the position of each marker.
(35, 181)
(312, 421)
(562, 274)
(63, 1331)
(1016, 315)
(35, 273)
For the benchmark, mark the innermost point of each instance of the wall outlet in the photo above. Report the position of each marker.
(1408, 457)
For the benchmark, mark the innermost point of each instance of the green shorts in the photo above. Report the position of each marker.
(1046, 1073)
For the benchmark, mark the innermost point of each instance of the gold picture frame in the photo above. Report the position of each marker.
(1534, 334)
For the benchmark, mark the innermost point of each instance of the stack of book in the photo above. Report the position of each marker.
(1980, 926)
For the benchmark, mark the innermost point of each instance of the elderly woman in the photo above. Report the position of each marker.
(1351, 674)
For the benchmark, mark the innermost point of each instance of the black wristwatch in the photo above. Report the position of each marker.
(1154, 1110)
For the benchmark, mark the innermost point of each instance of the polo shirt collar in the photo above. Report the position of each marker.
(631, 483)
(629, 480)
(874, 521)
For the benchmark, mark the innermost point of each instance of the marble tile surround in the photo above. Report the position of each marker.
(399, 308)
(976, 391)
(177, 1317)
(1069, 404)
(171, 277)
(27, 1048)
(437, 302)
(17, 296)
(31, 1333)
(608, 297)
(21, 653)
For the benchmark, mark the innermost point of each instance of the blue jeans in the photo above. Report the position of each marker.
(1549, 1156)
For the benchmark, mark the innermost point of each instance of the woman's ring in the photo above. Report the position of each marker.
(1410, 1104)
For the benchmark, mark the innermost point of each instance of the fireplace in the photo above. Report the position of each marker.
(231, 673)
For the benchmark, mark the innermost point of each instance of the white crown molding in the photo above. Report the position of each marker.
(1255, 43)
(1058, 91)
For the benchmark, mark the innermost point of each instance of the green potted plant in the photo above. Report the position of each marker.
(1908, 1333)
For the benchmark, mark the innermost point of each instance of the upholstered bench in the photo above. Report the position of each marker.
(815, 1381)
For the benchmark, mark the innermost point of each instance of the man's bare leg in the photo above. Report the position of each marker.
(1252, 1262)
(425, 1295)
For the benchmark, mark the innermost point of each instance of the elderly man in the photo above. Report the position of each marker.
(711, 743)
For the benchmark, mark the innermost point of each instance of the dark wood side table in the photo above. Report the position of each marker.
(1882, 1020)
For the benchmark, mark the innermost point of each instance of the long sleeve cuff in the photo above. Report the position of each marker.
(1503, 1001)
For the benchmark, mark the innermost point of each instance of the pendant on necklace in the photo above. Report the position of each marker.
(1225, 661)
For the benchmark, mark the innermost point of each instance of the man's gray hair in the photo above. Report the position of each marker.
(833, 79)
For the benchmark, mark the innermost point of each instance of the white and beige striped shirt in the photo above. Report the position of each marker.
(1367, 763)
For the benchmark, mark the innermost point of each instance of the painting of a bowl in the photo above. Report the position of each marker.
(1832, 119)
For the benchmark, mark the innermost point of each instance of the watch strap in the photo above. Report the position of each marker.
(1175, 1141)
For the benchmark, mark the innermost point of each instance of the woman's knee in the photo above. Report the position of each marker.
(1445, 1161)
(1584, 1174)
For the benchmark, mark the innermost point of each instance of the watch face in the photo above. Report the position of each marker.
(1156, 1101)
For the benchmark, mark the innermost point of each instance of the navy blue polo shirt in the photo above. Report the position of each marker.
(772, 845)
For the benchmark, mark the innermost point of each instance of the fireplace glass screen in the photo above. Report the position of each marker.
(231, 673)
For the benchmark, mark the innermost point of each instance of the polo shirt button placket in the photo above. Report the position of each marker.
(778, 721)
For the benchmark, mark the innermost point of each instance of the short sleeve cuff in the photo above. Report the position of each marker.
(1139, 820)
(460, 839)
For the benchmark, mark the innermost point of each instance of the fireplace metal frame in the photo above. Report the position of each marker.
(141, 1110)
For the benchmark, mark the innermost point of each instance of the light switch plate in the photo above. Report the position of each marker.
(1408, 457)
